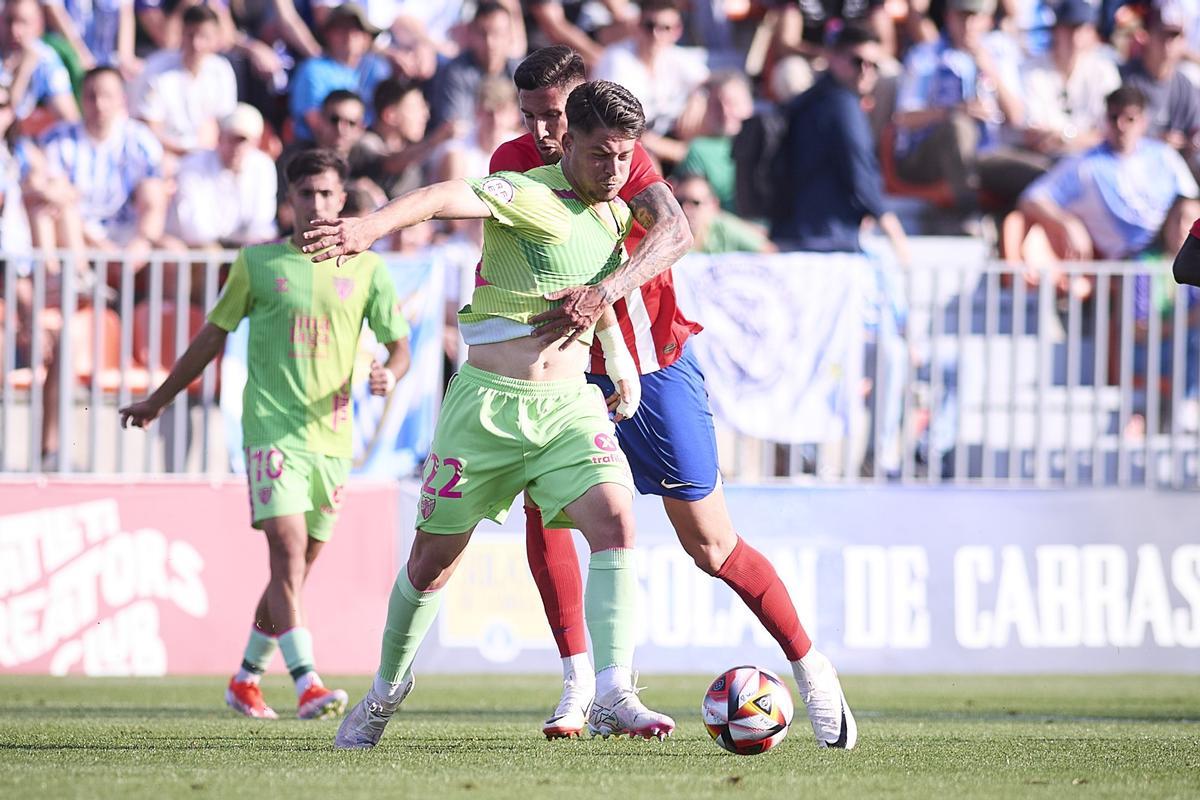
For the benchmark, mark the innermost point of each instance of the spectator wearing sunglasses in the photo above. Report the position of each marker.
(662, 75)
(714, 230)
(828, 172)
(339, 125)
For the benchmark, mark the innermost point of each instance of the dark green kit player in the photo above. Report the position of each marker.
(305, 321)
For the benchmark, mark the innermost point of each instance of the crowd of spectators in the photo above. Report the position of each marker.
(139, 125)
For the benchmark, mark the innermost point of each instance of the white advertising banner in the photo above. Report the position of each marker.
(885, 580)
(782, 348)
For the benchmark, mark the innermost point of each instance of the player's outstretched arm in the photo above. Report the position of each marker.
(668, 238)
(331, 238)
(204, 348)
(384, 376)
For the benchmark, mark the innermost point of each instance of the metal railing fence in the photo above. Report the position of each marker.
(997, 375)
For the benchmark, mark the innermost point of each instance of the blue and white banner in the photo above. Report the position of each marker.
(782, 349)
(392, 435)
(886, 580)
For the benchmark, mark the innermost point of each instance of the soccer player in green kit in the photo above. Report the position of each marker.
(305, 321)
(519, 416)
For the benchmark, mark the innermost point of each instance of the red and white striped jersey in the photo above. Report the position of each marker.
(654, 327)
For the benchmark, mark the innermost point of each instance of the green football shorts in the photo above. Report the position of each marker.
(287, 481)
(497, 436)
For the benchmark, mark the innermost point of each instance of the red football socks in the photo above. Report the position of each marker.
(555, 568)
(749, 574)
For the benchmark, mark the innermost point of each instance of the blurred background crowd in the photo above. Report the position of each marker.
(1054, 130)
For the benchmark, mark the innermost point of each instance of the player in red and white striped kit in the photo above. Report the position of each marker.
(670, 442)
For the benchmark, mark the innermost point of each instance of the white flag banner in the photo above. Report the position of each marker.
(782, 347)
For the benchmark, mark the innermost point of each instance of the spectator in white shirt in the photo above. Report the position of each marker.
(226, 197)
(660, 73)
(184, 92)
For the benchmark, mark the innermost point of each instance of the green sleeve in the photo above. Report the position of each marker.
(529, 208)
(383, 307)
(737, 236)
(235, 301)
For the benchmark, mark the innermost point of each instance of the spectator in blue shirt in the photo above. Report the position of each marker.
(30, 67)
(100, 32)
(489, 45)
(954, 97)
(115, 165)
(1119, 198)
(348, 63)
(829, 176)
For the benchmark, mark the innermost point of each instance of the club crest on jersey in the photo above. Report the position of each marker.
(499, 189)
(281, 285)
(344, 287)
(426, 506)
(264, 495)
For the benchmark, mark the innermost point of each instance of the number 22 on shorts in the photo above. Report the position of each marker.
(447, 489)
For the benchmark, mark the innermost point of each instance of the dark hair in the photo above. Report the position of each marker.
(853, 35)
(391, 91)
(359, 201)
(315, 161)
(1124, 96)
(340, 96)
(556, 65)
(198, 14)
(96, 72)
(651, 6)
(604, 104)
(487, 8)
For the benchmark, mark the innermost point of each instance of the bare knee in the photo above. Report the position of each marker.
(287, 543)
(433, 559)
(708, 556)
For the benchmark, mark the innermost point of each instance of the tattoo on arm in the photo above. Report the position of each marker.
(667, 239)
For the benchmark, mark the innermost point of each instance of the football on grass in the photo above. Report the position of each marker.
(747, 710)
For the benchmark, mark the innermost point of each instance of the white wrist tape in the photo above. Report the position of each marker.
(620, 366)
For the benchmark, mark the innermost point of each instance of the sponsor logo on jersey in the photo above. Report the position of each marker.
(281, 285)
(606, 442)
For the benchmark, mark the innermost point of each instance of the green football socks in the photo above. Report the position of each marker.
(410, 615)
(609, 604)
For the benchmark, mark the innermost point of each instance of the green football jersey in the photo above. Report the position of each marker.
(305, 319)
(540, 238)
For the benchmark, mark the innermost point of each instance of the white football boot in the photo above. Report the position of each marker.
(570, 717)
(363, 726)
(622, 712)
(821, 692)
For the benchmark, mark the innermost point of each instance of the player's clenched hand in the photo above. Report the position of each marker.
(581, 307)
(382, 380)
(334, 238)
(623, 403)
(141, 414)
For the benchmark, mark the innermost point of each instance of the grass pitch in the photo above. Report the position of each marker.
(479, 737)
